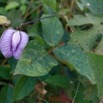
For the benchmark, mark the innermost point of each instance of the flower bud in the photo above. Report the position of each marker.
(4, 20)
(13, 42)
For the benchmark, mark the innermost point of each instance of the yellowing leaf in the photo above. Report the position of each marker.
(4, 20)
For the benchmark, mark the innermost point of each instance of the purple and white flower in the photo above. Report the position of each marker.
(13, 42)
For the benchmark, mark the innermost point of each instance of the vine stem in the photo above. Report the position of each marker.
(27, 11)
(76, 92)
(38, 19)
(71, 8)
(32, 11)
(101, 101)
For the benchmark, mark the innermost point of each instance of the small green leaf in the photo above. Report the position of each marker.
(50, 3)
(58, 80)
(96, 62)
(23, 1)
(35, 61)
(52, 31)
(23, 8)
(81, 6)
(23, 87)
(6, 95)
(74, 56)
(12, 5)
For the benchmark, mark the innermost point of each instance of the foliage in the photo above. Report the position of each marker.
(62, 62)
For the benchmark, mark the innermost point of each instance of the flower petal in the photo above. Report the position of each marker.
(15, 40)
(17, 54)
(5, 42)
(23, 42)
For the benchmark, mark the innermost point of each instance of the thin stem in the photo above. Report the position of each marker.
(76, 92)
(71, 8)
(42, 99)
(2, 83)
(32, 11)
(4, 61)
(55, 57)
(38, 19)
(101, 100)
(28, 9)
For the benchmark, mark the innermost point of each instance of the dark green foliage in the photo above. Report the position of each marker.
(63, 61)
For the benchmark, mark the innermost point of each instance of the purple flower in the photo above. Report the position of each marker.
(13, 42)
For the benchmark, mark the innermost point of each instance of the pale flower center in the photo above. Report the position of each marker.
(15, 40)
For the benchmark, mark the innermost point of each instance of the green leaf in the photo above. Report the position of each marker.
(79, 20)
(15, 20)
(6, 94)
(95, 6)
(23, 1)
(58, 80)
(3, 11)
(35, 30)
(80, 97)
(96, 62)
(23, 87)
(81, 6)
(23, 8)
(99, 48)
(35, 61)
(50, 3)
(12, 5)
(12, 62)
(5, 72)
(74, 56)
(86, 39)
(90, 93)
(52, 31)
